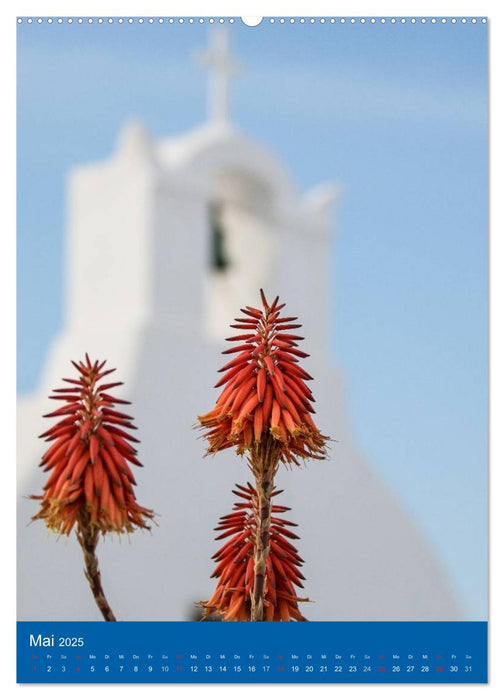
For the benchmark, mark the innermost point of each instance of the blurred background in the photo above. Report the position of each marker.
(396, 116)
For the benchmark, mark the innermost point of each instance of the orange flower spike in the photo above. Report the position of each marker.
(265, 374)
(90, 484)
(231, 600)
(89, 452)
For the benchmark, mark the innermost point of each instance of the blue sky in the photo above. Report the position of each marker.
(398, 115)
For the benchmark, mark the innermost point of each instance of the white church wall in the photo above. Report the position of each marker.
(180, 249)
(110, 238)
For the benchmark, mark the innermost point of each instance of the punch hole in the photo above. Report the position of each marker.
(251, 21)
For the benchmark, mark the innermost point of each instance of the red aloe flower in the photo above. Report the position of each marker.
(265, 390)
(89, 458)
(91, 484)
(232, 599)
(265, 410)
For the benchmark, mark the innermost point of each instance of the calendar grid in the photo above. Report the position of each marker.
(318, 652)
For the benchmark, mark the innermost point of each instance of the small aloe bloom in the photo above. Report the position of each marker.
(265, 411)
(235, 564)
(89, 457)
(265, 390)
(91, 483)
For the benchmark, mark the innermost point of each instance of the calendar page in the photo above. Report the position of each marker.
(252, 349)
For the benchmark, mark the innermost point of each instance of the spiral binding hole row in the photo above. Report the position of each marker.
(271, 20)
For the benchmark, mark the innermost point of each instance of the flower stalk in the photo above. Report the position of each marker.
(264, 465)
(265, 411)
(88, 537)
(90, 487)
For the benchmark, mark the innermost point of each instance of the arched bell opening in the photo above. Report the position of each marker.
(241, 246)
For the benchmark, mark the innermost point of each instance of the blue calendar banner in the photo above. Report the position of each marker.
(199, 652)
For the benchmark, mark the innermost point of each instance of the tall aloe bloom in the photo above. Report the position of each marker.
(90, 487)
(235, 564)
(265, 411)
